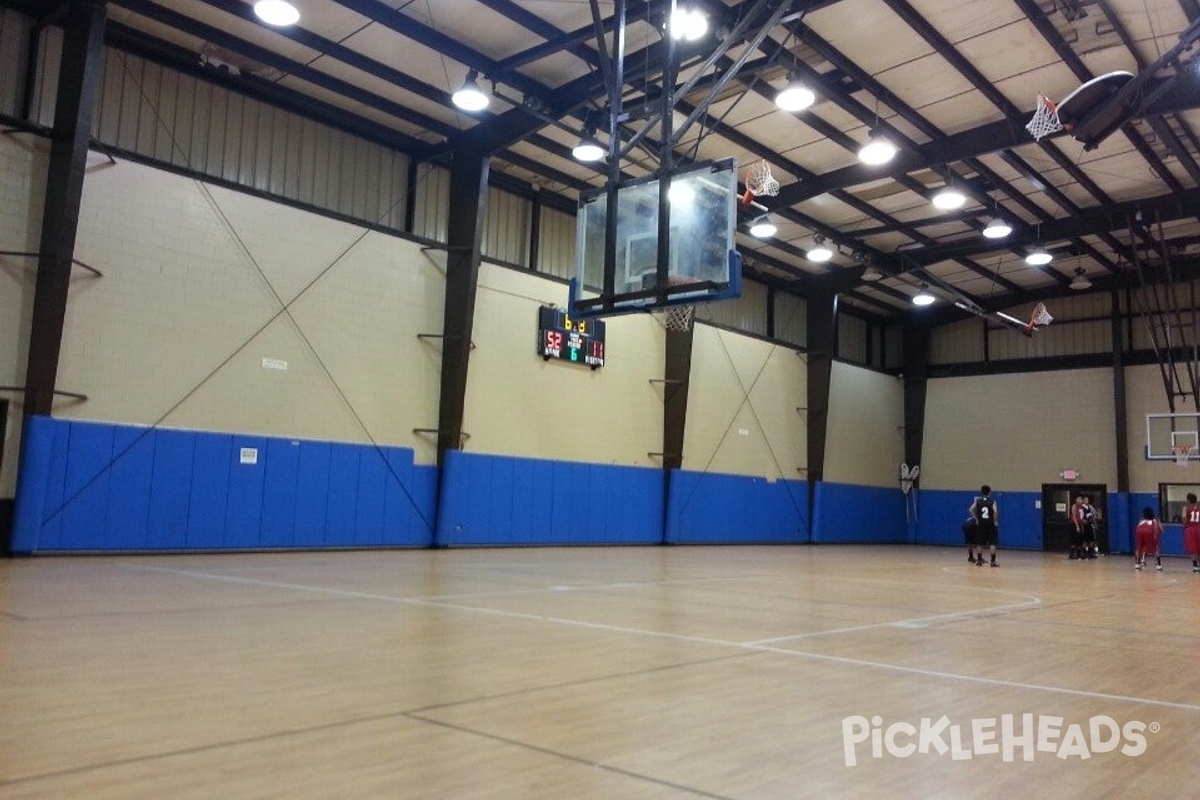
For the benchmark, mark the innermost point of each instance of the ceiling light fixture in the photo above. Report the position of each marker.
(588, 148)
(795, 96)
(276, 12)
(1038, 257)
(949, 198)
(688, 24)
(997, 228)
(762, 227)
(820, 252)
(872, 274)
(470, 97)
(1080, 281)
(878, 149)
(924, 297)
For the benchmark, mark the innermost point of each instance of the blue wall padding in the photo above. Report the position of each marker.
(707, 507)
(502, 500)
(128, 514)
(86, 486)
(33, 484)
(847, 514)
(211, 461)
(942, 513)
(312, 495)
(174, 452)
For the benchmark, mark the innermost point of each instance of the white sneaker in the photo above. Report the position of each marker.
(1137, 565)
(1158, 567)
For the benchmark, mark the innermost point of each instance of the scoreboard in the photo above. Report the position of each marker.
(580, 341)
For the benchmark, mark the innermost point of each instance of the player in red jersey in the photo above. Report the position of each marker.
(1145, 539)
(1191, 530)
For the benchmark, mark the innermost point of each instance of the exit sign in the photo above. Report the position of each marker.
(1069, 474)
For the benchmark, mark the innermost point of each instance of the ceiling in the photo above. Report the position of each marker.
(952, 82)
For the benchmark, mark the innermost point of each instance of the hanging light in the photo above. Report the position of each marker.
(1038, 257)
(878, 149)
(588, 148)
(470, 97)
(949, 198)
(1080, 281)
(924, 297)
(276, 12)
(872, 274)
(762, 227)
(820, 252)
(795, 96)
(997, 228)
(688, 24)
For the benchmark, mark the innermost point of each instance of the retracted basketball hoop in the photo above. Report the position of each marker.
(1040, 318)
(1045, 119)
(759, 182)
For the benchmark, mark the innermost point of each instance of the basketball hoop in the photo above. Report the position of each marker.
(1045, 119)
(1183, 453)
(676, 318)
(1040, 318)
(759, 182)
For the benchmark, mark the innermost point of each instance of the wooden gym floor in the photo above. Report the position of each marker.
(711, 672)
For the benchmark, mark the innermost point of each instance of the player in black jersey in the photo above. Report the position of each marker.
(986, 513)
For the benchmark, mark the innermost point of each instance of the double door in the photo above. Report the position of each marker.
(1057, 499)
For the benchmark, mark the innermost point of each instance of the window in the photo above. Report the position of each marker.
(1172, 497)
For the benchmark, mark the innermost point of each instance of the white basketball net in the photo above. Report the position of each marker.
(1045, 119)
(760, 181)
(1182, 453)
(676, 318)
(1040, 316)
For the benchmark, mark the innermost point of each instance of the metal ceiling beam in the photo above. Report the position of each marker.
(336, 51)
(1089, 222)
(536, 24)
(410, 28)
(272, 59)
(1046, 28)
(142, 45)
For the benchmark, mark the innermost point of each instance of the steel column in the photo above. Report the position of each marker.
(79, 75)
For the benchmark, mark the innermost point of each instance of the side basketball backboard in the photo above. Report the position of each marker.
(701, 263)
(1164, 432)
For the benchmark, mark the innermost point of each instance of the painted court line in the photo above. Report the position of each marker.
(914, 622)
(682, 637)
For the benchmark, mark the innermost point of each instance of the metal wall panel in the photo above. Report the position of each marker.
(158, 113)
(791, 319)
(958, 343)
(893, 347)
(852, 335)
(556, 245)
(506, 228)
(41, 107)
(747, 313)
(432, 202)
(14, 53)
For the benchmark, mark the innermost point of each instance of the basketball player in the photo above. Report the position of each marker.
(971, 534)
(1076, 550)
(1145, 539)
(986, 513)
(1191, 530)
(1090, 549)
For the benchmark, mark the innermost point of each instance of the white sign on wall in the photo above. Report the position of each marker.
(249, 455)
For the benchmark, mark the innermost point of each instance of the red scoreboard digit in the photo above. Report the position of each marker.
(579, 341)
